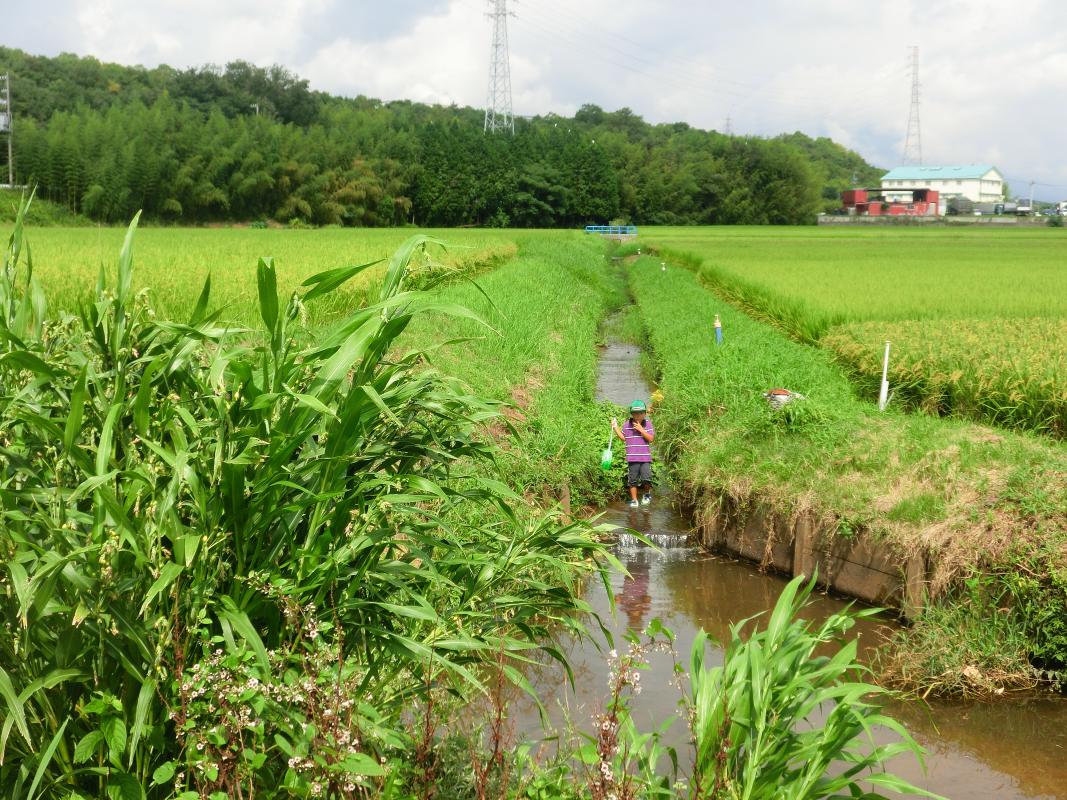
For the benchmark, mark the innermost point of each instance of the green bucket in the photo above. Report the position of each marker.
(605, 459)
(606, 455)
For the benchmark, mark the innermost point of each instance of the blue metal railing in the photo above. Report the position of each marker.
(612, 230)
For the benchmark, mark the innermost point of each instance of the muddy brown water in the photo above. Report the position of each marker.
(1004, 750)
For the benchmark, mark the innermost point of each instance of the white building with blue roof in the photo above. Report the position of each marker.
(981, 183)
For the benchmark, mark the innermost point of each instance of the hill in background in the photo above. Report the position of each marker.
(244, 143)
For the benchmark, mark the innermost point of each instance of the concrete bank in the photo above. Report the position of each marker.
(855, 566)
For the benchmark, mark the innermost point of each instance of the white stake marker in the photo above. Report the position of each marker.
(883, 394)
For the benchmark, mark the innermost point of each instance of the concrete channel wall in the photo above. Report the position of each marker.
(856, 566)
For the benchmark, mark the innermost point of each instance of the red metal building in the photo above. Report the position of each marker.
(873, 203)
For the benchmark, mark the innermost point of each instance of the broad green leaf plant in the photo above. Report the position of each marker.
(230, 557)
(780, 720)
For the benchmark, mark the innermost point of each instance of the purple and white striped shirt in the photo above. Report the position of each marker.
(637, 449)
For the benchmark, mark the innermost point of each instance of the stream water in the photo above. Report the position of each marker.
(1003, 750)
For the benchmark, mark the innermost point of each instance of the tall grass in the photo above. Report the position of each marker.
(777, 721)
(234, 555)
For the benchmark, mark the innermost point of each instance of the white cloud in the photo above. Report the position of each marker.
(994, 74)
(432, 62)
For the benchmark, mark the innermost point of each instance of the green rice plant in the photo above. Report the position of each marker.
(173, 264)
(295, 523)
(776, 720)
(815, 278)
(1007, 373)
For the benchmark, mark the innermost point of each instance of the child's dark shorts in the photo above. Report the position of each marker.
(639, 473)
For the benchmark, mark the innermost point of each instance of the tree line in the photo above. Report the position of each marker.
(247, 143)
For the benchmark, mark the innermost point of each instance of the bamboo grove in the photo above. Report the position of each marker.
(187, 147)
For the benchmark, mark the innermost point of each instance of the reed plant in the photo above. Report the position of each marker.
(780, 720)
(233, 555)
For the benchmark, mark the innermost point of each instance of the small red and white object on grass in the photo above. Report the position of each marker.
(780, 398)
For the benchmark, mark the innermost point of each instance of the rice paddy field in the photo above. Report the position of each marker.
(337, 461)
(975, 317)
(172, 263)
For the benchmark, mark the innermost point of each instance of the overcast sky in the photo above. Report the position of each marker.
(994, 74)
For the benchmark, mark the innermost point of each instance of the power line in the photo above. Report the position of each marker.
(555, 33)
(698, 67)
(671, 73)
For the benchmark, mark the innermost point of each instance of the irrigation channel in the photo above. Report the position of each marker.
(1003, 750)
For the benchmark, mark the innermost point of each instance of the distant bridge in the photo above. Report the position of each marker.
(613, 231)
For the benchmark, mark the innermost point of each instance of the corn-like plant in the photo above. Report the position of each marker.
(779, 720)
(216, 542)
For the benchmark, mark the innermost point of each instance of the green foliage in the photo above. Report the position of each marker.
(973, 643)
(232, 556)
(838, 167)
(188, 146)
(776, 718)
(44, 86)
(41, 213)
(1038, 594)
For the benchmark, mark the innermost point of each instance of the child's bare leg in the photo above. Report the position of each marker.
(633, 493)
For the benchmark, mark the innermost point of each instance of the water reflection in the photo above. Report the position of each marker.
(1007, 751)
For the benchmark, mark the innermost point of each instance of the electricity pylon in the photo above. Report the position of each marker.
(913, 145)
(498, 115)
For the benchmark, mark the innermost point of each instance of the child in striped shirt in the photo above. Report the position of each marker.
(638, 432)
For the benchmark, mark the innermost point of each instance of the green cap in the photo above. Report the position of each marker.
(638, 405)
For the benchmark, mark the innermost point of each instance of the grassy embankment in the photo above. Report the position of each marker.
(546, 307)
(975, 316)
(987, 507)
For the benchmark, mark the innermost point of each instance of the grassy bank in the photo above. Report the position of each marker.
(545, 308)
(975, 501)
